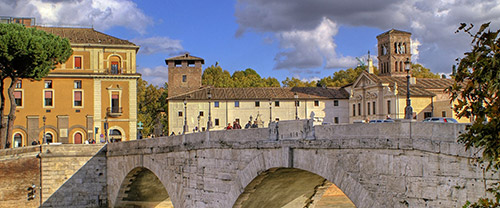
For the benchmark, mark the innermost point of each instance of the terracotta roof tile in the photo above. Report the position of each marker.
(85, 35)
(265, 93)
(422, 86)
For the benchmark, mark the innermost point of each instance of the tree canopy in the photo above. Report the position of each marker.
(476, 90)
(26, 53)
(420, 71)
(217, 77)
(151, 106)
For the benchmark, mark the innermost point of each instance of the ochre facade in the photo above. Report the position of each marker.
(94, 88)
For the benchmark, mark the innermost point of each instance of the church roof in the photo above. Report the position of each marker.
(85, 35)
(422, 88)
(264, 93)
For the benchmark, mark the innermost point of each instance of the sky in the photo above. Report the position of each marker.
(277, 38)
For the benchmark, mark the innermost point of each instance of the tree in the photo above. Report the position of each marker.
(420, 71)
(216, 77)
(341, 78)
(476, 90)
(26, 53)
(294, 82)
(151, 105)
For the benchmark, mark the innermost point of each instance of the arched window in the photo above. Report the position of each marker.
(49, 137)
(115, 135)
(18, 140)
(77, 138)
(115, 65)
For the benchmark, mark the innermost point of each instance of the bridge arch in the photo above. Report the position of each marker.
(302, 162)
(291, 187)
(142, 188)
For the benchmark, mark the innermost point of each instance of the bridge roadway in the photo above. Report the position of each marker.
(289, 164)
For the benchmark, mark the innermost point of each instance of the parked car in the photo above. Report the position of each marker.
(440, 120)
(382, 121)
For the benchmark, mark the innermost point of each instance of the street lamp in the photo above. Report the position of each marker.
(408, 109)
(270, 112)
(185, 116)
(296, 105)
(44, 137)
(198, 127)
(209, 124)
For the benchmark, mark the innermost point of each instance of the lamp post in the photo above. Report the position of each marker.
(44, 137)
(209, 124)
(296, 106)
(408, 109)
(185, 116)
(198, 127)
(270, 111)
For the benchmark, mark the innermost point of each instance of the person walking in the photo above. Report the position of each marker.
(229, 127)
(236, 125)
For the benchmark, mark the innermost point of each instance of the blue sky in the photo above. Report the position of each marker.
(278, 38)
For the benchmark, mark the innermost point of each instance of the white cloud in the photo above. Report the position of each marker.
(414, 49)
(310, 48)
(101, 14)
(156, 76)
(432, 24)
(154, 45)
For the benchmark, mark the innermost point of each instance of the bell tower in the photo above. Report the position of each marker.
(393, 50)
(184, 74)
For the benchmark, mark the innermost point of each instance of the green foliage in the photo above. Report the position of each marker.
(151, 105)
(26, 53)
(30, 53)
(486, 202)
(341, 78)
(476, 90)
(420, 71)
(217, 77)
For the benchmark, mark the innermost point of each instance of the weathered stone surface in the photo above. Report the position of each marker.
(375, 165)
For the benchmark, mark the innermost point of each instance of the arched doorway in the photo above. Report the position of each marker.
(77, 138)
(290, 187)
(49, 137)
(115, 135)
(142, 188)
(18, 140)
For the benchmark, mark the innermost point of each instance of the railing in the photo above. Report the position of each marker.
(114, 111)
(114, 71)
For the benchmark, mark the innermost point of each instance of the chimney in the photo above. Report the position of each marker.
(413, 80)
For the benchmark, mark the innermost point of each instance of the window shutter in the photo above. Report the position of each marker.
(78, 96)
(78, 62)
(18, 94)
(48, 94)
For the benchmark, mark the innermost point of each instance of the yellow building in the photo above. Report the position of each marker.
(376, 97)
(194, 105)
(90, 97)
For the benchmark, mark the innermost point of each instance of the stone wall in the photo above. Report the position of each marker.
(375, 165)
(72, 176)
(20, 168)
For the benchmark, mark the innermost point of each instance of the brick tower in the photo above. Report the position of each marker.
(184, 74)
(393, 50)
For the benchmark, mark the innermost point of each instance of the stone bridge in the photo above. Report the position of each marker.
(292, 164)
